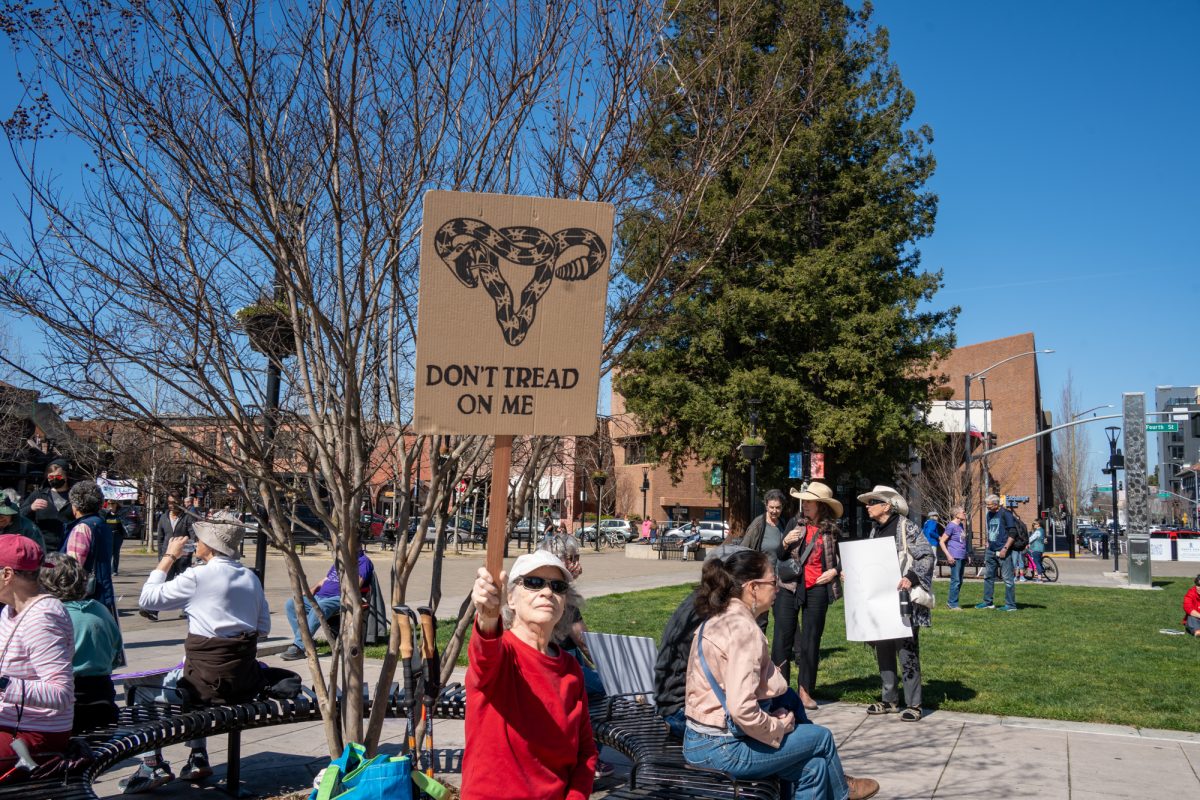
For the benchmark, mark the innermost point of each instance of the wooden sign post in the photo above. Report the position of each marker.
(511, 317)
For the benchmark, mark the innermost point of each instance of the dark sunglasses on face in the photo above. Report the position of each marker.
(535, 584)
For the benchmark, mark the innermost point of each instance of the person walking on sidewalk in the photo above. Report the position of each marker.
(954, 546)
(1001, 531)
(171, 523)
(933, 529)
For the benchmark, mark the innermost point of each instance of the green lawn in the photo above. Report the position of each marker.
(1070, 653)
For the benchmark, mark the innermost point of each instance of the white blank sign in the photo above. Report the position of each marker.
(871, 573)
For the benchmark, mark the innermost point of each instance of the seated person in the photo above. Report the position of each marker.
(670, 668)
(329, 599)
(226, 613)
(97, 642)
(731, 679)
(1191, 608)
(37, 699)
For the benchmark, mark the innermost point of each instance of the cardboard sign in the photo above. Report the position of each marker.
(511, 314)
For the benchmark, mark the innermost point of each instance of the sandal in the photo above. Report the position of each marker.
(883, 708)
(911, 715)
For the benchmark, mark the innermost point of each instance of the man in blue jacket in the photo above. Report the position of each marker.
(1001, 530)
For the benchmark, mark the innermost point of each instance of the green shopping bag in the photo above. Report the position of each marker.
(353, 776)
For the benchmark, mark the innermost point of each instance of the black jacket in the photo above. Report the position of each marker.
(162, 531)
(53, 522)
(670, 668)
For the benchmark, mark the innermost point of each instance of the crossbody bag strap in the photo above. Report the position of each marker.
(712, 681)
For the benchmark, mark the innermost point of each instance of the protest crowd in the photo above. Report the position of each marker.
(721, 687)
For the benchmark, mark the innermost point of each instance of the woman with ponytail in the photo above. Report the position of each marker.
(741, 717)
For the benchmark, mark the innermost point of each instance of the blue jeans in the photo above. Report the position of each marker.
(991, 564)
(328, 605)
(807, 759)
(677, 722)
(956, 579)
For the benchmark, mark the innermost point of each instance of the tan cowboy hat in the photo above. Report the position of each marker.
(887, 494)
(818, 493)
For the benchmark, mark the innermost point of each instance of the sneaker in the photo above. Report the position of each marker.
(953, 608)
(146, 777)
(985, 605)
(196, 768)
(150, 615)
(603, 769)
(293, 653)
(1008, 608)
(1022, 579)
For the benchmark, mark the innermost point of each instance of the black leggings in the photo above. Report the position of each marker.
(809, 612)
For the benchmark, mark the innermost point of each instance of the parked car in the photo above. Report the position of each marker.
(620, 527)
(712, 531)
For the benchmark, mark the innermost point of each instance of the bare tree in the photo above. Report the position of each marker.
(1072, 453)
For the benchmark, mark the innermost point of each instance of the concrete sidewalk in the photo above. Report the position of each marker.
(946, 755)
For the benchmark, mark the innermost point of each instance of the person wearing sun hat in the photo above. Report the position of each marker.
(808, 584)
(888, 511)
(37, 702)
(515, 667)
(227, 612)
(11, 521)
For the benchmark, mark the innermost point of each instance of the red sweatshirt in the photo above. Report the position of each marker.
(1191, 602)
(528, 733)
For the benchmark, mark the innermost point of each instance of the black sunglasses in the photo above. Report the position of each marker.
(535, 584)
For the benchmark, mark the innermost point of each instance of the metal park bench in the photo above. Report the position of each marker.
(141, 728)
(627, 721)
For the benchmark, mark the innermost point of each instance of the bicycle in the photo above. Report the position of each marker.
(1029, 568)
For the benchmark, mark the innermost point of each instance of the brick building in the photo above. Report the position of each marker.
(1012, 391)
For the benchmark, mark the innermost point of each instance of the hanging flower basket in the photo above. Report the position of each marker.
(599, 477)
(269, 328)
(752, 448)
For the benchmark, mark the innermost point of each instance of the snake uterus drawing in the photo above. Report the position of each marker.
(472, 249)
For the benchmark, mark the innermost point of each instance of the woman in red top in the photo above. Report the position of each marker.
(1191, 608)
(528, 734)
(808, 572)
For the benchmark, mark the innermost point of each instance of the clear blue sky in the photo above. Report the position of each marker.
(1067, 136)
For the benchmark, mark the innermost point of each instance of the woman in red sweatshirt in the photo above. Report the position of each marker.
(528, 735)
(1191, 608)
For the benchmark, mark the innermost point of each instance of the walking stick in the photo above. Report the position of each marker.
(432, 668)
(407, 620)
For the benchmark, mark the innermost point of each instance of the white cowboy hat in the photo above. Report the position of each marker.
(819, 493)
(889, 495)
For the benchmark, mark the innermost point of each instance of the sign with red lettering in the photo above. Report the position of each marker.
(510, 314)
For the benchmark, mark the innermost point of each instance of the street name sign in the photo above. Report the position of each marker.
(1104, 489)
(1162, 427)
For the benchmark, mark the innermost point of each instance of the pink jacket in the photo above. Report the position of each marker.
(740, 659)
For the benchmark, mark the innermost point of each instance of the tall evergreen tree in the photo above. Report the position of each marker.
(814, 302)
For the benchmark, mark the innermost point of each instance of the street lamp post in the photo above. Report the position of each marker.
(598, 478)
(970, 376)
(645, 489)
(752, 450)
(1074, 481)
(1116, 461)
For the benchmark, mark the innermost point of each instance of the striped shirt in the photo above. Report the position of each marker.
(36, 649)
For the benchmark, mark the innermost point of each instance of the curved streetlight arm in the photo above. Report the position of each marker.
(1090, 410)
(982, 372)
(1025, 439)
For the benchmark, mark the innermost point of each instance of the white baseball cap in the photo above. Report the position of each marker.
(532, 561)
